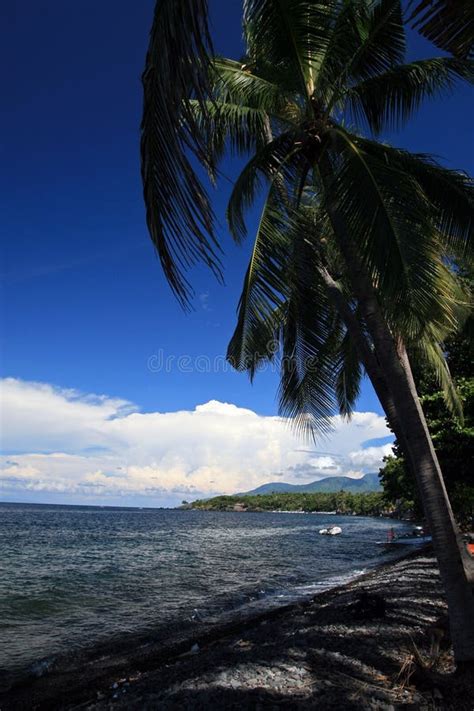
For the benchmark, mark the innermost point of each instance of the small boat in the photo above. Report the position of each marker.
(417, 537)
(331, 531)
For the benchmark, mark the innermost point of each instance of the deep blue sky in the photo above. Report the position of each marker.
(84, 302)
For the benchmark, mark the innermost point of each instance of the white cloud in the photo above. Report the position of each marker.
(100, 449)
(370, 456)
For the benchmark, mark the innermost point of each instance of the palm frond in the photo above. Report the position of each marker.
(383, 39)
(388, 218)
(390, 99)
(234, 126)
(311, 333)
(285, 316)
(309, 350)
(238, 83)
(449, 24)
(447, 319)
(264, 292)
(343, 44)
(381, 46)
(178, 211)
(276, 161)
(430, 352)
(288, 34)
(450, 192)
(348, 376)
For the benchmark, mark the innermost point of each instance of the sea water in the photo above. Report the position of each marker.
(75, 577)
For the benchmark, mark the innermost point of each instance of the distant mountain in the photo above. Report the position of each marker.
(330, 484)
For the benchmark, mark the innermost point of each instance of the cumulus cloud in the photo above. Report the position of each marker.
(98, 449)
(370, 456)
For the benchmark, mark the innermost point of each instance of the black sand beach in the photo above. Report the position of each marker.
(370, 644)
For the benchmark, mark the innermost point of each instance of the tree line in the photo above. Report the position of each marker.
(342, 502)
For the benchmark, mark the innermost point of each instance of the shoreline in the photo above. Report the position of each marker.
(137, 647)
(170, 633)
(92, 682)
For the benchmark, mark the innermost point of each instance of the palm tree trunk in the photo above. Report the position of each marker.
(455, 569)
(454, 562)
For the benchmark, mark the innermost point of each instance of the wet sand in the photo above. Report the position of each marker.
(365, 645)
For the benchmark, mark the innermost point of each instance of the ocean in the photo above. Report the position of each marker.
(72, 578)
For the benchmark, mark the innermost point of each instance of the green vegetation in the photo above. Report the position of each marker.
(368, 504)
(453, 439)
(454, 444)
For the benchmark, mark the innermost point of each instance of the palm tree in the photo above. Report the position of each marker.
(447, 23)
(349, 266)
